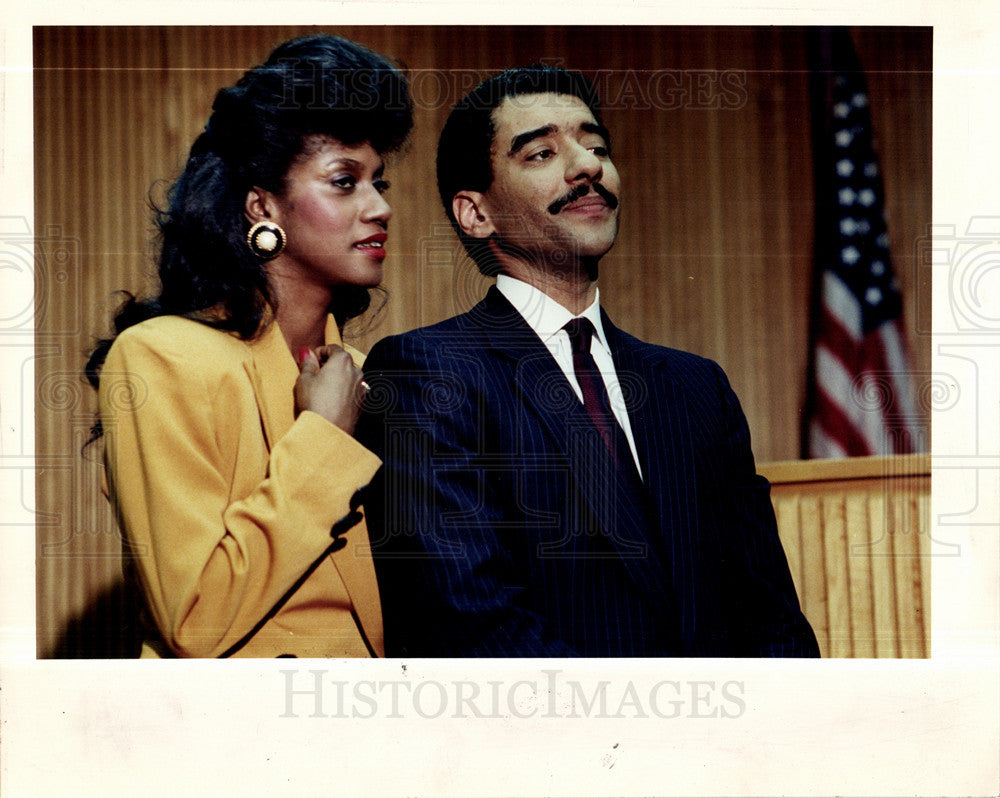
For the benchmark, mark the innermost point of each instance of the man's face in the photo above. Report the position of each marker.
(554, 198)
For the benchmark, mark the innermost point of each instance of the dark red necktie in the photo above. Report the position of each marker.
(595, 395)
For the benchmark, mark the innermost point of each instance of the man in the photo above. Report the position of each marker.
(555, 487)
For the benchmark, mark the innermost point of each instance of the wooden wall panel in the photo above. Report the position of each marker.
(711, 136)
(855, 534)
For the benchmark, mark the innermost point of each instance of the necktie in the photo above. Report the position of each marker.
(595, 395)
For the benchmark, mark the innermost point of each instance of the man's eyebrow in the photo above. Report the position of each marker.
(599, 130)
(522, 139)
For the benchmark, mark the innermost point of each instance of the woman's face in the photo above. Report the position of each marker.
(334, 215)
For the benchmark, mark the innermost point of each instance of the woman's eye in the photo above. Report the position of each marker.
(381, 186)
(346, 182)
(600, 151)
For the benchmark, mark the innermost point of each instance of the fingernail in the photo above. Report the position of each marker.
(304, 353)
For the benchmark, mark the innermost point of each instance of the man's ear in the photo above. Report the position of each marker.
(467, 206)
(260, 204)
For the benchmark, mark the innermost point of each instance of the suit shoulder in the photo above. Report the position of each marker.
(673, 359)
(431, 342)
(438, 331)
(690, 361)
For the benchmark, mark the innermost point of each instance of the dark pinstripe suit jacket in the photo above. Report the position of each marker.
(500, 526)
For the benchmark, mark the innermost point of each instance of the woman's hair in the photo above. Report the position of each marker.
(318, 85)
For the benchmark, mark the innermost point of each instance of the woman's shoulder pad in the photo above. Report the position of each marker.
(176, 334)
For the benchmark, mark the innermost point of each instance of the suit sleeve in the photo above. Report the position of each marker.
(447, 583)
(770, 622)
(179, 420)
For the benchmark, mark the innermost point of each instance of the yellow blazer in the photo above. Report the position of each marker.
(226, 497)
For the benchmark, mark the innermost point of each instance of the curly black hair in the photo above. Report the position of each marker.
(316, 85)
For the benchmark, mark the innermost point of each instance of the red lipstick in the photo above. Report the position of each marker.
(373, 246)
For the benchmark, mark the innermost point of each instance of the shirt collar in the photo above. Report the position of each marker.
(542, 313)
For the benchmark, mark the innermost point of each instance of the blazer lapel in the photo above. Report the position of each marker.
(276, 403)
(271, 358)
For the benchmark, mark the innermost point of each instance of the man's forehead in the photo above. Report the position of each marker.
(524, 112)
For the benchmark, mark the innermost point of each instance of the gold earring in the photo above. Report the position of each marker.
(266, 240)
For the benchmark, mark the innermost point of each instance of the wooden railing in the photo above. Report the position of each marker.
(855, 532)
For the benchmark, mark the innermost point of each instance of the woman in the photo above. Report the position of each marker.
(232, 469)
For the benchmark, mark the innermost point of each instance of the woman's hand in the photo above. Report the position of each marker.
(329, 384)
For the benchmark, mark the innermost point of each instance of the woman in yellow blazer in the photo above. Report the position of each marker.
(228, 402)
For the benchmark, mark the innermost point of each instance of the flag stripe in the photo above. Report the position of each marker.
(842, 304)
(840, 427)
(856, 404)
(822, 445)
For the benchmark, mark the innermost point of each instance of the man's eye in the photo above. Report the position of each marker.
(541, 155)
(600, 151)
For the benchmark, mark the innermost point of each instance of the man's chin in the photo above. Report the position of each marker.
(597, 245)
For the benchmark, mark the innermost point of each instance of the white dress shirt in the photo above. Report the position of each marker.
(547, 318)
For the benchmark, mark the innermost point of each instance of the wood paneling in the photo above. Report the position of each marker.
(711, 135)
(855, 534)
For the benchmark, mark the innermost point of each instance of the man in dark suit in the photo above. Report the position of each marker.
(553, 486)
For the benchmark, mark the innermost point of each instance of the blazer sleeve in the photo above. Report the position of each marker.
(448, 585)
(755, 569)
(181, 429)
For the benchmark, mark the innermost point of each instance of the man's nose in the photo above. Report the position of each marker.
(583, 165)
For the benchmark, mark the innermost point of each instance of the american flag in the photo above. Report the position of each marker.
(861, 399)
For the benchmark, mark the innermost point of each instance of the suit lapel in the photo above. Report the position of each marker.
(659, 412)
(549, 400)
(547, 397)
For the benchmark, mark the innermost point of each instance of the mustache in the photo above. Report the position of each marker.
(581, 191)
